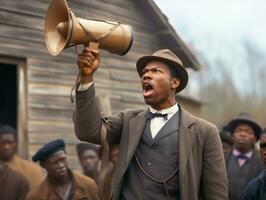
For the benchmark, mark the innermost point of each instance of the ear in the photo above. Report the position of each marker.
(175, 83)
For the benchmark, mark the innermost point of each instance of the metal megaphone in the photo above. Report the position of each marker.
(63, 29)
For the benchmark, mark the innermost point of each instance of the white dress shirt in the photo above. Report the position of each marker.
(85, 86)
(241, 161)
(156, 123)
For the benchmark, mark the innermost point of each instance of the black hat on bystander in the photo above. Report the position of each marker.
(48, 150)
(244, 118)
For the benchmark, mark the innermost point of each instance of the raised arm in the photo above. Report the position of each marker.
(86, 117)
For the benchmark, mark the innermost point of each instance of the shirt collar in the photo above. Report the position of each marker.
(237, 153)
(171, 110)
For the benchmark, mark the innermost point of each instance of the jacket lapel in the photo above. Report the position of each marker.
(47, 191)
(78, 190)
(135, 129)
(136, 126)
(186, 139)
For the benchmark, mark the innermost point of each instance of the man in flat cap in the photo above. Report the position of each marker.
(8, 148)
(243, 162)
(61, 183)
(164, 151)
(89, 159)
(256, 188)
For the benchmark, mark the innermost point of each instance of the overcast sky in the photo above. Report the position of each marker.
(219, 29)
(230, 19)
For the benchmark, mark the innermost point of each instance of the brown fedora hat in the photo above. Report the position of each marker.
(244, 118)
(168, 57)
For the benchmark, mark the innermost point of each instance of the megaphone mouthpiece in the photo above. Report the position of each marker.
(62, 28)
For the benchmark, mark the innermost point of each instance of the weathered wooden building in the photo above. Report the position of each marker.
(35, 86)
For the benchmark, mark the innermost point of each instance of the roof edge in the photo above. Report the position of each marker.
(164, 20)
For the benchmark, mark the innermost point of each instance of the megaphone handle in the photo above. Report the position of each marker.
(93, 45)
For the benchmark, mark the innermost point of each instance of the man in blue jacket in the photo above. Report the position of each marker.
(256, 189)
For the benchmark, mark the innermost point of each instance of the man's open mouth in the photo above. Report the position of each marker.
(147, 89)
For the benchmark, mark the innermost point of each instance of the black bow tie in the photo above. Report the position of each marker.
(151, 115)
(242, 156)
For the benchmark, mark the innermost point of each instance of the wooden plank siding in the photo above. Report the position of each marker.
(49, 79)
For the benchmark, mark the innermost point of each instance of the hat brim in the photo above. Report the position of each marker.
(232, 125)
(181, 71)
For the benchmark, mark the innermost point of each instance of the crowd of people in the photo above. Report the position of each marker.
(163, 152)
(49, 177)
(245, 165)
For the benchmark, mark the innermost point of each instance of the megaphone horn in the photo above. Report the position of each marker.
(63, 29)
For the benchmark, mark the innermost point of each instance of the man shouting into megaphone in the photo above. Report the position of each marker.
(165, 152)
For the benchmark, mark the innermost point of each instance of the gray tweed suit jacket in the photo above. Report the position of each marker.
(202, 171)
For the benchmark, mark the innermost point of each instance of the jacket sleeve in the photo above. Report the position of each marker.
(248, 193)
(214, 176)
(88, 121)
(252, 189)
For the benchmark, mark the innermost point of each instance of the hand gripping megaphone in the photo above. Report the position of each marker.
(63, 29)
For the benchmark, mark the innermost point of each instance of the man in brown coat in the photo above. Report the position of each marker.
(13, 186)
(8, 149)
(165, 152)
(61, 183)
(89, 158)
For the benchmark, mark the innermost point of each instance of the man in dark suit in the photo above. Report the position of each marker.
(242, 162)
(165, 152)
